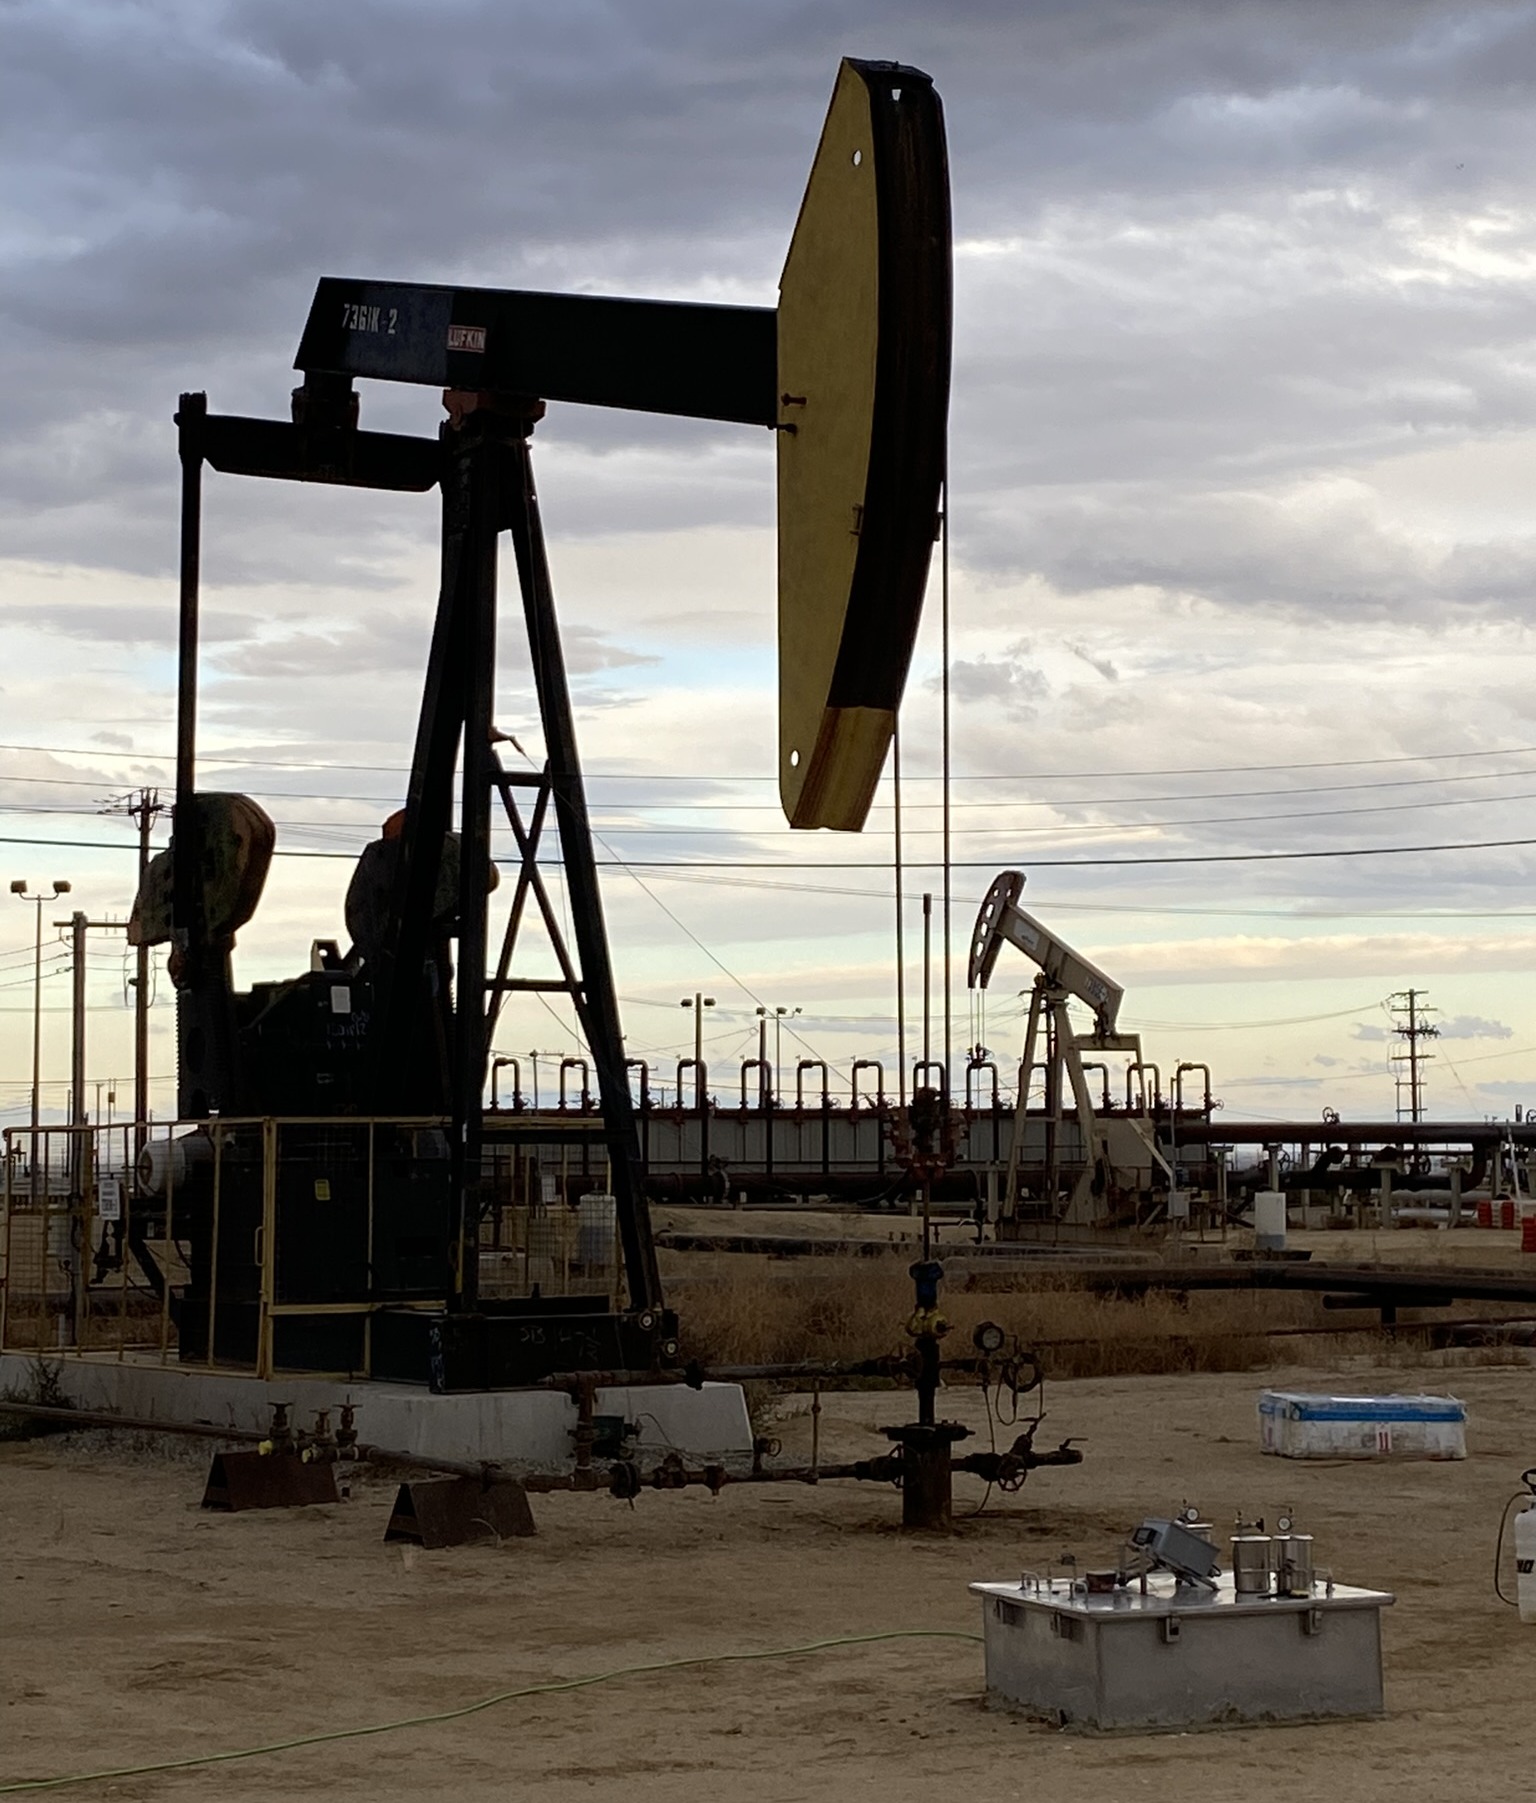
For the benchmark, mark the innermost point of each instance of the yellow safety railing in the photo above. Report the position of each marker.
(278, 1221)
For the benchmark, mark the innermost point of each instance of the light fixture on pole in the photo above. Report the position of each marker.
(19, 889)
(778, 1017)
(698, 1003)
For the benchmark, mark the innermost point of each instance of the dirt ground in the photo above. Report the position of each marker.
(135, 1627)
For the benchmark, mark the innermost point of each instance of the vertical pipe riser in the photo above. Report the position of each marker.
(927, 1488)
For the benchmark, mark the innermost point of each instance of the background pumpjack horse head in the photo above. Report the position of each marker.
(367, 1224)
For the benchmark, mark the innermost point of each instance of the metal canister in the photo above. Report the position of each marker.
(1293, 1565)
(1251, 1555)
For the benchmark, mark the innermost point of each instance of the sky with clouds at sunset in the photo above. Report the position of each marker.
(1243, 458)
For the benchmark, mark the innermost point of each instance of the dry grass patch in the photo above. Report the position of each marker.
(738, 1310)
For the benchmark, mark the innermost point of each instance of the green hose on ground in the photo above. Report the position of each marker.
(504, 1696)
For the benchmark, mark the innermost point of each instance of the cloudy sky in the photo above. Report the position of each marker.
(1242, 571)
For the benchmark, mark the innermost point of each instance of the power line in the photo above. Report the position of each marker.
(236, 761)
(1071, 905)
(734, 805)
(1141, 1021)
(1224, 857)
(706, 864)
(662, 829)
(709, 871)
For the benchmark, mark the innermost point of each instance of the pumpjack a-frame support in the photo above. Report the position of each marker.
(489, 486)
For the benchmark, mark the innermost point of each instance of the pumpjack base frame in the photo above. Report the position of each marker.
(509, 1345)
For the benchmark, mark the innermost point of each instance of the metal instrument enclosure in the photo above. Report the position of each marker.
(1179, 1657)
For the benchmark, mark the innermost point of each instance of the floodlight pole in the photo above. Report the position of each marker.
(698, 1002)
(144, 811)
(37, 1021)
(778, 1049)
(19, 890)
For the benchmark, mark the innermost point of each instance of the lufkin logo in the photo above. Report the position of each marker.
(466, 338)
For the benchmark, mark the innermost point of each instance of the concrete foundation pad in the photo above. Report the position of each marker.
(529, 1430)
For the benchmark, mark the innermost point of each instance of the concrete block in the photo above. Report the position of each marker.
(527, 1430)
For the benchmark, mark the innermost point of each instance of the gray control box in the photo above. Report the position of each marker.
(1180, 1656)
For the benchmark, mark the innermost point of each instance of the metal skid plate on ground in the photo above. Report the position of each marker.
(459, 1511)
(259, 1480)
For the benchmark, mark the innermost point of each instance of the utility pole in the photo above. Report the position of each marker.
(77, 925)
(81, 1164)
(1411, 1023)
(142, 806)
(771, 1097)
(778, 1048)
(698, 1002)
(19, 889)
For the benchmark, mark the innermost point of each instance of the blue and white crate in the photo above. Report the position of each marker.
(1297, 1424)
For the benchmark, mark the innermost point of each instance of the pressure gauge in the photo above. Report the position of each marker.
(989, 1338)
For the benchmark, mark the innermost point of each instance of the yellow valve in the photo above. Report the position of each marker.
(927, 1320)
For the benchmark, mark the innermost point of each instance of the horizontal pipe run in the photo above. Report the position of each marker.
(326, 1450)
(1444, 1285)
(138, 1424)
(868, 1185)
(1380, 1282)
(892, 1365)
